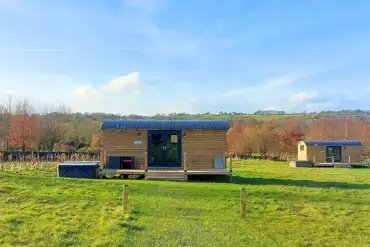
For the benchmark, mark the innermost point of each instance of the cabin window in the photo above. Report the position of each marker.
(301, 147)
(174, 139)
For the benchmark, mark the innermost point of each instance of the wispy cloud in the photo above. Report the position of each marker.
(267, 86)
(242, 57)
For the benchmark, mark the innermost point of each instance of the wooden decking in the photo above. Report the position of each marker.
(166, 173)
(340, 165)
(188, 172)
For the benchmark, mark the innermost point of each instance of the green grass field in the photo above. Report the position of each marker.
(285, 207)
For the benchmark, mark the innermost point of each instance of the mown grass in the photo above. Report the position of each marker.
(285, 207)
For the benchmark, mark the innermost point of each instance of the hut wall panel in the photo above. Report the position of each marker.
(320, 157)
(354, 151)
(202, 146)
(122, 144)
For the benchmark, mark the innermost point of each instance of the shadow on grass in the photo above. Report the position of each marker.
(209, 178)
(127, 224)
(132, 228)
(276, 181)
(300, 183)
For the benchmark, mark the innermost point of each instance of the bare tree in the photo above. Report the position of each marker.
(5, 114)
(51, 127)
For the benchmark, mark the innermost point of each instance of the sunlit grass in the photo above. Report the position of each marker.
(285, 207)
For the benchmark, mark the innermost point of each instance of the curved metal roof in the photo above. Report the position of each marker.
(333, 143)
(166, 124)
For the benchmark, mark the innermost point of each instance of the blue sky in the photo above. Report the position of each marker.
(162, 56)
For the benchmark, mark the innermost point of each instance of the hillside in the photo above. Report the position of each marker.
(61, 130)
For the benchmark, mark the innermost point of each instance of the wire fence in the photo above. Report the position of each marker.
(47, 157)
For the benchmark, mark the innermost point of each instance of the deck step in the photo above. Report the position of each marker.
(166, 176)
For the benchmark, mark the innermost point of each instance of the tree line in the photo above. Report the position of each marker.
(46, 128)
(279, 138)
(56, 128)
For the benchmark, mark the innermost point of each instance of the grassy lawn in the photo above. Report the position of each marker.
(285, 207)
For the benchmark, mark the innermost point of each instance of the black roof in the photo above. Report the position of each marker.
(166, 124)
(334, 143)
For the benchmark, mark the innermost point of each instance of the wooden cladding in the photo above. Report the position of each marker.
(123, 144)
(201, 146)
(346, 151)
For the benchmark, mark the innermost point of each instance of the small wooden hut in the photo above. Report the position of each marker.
(347, 151)
(150, 147)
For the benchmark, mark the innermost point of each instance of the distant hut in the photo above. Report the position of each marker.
(346, 151)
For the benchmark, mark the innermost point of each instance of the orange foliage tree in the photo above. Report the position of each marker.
(22, 132)
(235, 139)
(289, 136)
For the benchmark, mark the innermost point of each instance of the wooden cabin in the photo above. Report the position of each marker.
(347, 151)
(178, 146)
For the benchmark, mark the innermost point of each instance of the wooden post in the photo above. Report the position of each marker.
(314, 159)
(185, 161)
(349, 159)
(125, 199)
(101, 158)
(146, 161)
(243, 202)
(231, 162)
(332, 159)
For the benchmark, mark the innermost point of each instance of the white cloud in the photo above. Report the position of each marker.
(301, 98)
(129, 83)
(124, 94)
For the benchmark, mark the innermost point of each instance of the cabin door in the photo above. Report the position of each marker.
(334, 151)
(164, 148)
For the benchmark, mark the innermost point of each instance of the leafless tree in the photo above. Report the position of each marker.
(5, 114)
(51, 127)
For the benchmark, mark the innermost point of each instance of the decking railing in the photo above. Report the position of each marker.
(332, 160)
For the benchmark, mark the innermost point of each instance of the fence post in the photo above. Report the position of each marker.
(314, 159)
(349, 159)
(332, 159)
(125, 199)
(242, 202)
